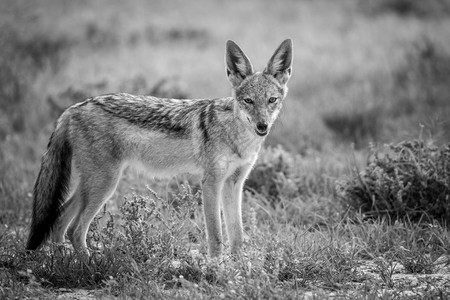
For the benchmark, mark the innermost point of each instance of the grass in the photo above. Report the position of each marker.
(145, 247)
(363, 72)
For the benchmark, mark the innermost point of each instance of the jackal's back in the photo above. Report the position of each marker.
(173, 117)
(172, 135)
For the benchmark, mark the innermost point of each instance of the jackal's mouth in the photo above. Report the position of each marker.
(261, 133)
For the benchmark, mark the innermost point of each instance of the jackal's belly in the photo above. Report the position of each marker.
(167, 170)
(162, 156)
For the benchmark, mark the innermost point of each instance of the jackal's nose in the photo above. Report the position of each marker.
(261, 128)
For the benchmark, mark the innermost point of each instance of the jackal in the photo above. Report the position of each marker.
(217, 139)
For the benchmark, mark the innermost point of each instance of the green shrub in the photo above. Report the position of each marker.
(411, 180)
(150, 228)
(21, 59)
(421, 89)
(421, 83)
(417, 8)
(196, 36)
(273, 174)
(355, 125)
(100, 38)
(279, 175)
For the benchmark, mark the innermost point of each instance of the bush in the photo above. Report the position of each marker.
(411, 180)
(150, 228)
(273, 174)
(417, 8)
(355, 125)
(421, 83)
(197, 36)
(279, 175)
(21, 59)
(166, 87)
(100, 38)
(12, 90)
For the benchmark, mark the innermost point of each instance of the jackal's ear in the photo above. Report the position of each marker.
(280, 64)
(238, 64)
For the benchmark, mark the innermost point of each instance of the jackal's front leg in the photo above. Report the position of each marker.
(211, 207)
(232, 207)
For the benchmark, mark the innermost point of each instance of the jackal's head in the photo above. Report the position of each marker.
(259, 95)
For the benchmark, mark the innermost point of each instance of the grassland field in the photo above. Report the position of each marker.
(365, 73)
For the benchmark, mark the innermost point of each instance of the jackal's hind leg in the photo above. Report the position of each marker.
(93, 194)
(68, 211)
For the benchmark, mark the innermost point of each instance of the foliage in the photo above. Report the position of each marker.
(421, 88)
(280, 175)
(356, 125)
(417, 92)
(20, 60)
(273, 175)
(418, 8)
(149, 226)
(411, 180)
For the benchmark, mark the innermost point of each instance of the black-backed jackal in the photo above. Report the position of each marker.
(217, 139)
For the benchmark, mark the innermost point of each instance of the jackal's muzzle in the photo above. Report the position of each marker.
(261, 129)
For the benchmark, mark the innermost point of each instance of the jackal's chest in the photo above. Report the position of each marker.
(228, 163)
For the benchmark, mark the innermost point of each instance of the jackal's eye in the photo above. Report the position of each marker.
(273, 99)
(248, 100)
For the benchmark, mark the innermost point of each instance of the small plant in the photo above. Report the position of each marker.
(386, 270)
(411, 180)
(417, 263)
(149, 228)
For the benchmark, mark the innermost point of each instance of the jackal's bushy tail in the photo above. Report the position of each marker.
(51, 187)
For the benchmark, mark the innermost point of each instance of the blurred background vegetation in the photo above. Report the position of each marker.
(364, 71)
